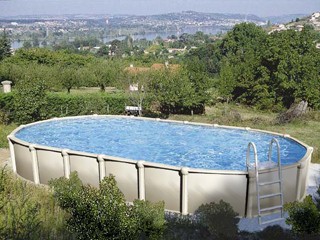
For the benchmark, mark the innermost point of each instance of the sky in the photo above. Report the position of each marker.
(261, 8)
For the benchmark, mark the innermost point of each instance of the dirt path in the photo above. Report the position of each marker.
(4, 156)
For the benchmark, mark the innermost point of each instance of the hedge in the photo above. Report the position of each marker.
(63, 104)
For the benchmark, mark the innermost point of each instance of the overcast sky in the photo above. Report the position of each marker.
(142, 7)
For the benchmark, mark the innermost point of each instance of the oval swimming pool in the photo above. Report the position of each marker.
(174, 144)
(181, 163)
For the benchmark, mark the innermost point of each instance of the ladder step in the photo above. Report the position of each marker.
(270, 195)
(269, 183)
(271, 208)
(272, 220)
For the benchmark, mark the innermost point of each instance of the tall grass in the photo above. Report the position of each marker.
(28, 211)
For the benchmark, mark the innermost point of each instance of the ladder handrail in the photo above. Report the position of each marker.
(252, 146)
(274, 140)
(256, 169)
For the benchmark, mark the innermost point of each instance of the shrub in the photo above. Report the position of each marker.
(6, 108)
(185, 227)
(29, 100)
(103, 213)
(219, 218)
(63, 104)
(151, 221)
(304, 217)
(275, 232)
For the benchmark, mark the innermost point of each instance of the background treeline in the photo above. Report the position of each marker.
(247, 66)
(270, 71)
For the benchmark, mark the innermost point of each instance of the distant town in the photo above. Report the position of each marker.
(52, 30)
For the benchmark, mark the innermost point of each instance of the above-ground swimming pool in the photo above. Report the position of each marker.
(185, 164)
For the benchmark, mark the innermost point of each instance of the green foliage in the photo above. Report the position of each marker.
(27, 212)
(269, 71)
(30, 103)
(177, 92)
(6, 109)
(5, 48)
(62, 104)
(29, 100)
(185, 227)
(219, 218)
(150, 218)
(103, 213)
(304, 217)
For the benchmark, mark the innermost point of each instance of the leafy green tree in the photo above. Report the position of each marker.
(106, 73)
(172, 90)
(5, 47)
(68, 77)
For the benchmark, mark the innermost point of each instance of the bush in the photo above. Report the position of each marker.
(29, 100)
(30, 103)
(219, 218)
(304, 217)
(6, 108)
(151, 221)
(185, 227)
(103, 213)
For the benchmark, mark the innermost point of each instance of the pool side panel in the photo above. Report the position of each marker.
(163, 185)
(50, 165)
(126, 176)
(206, 188)
(88, 170)
(23, 161)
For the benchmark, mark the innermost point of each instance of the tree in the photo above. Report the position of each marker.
(173, 90)
(106, 72)
(5, 47)
(68, 77)
(137, 85)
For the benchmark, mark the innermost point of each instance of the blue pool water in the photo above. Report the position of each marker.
(168, 143)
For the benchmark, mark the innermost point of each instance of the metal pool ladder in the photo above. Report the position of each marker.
(257, 168)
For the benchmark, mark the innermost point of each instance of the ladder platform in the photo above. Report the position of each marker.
(269, 183)
(271, 208)
(272, 220)
(270, 195)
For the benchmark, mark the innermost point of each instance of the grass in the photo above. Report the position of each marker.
(5, 130)
(28, 211)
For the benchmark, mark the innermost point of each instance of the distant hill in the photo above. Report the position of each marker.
(284, 18)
